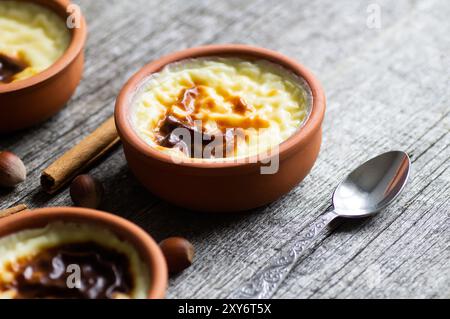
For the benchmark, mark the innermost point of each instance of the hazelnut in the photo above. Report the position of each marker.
(86, 191)
(179, 253)
(12, 170)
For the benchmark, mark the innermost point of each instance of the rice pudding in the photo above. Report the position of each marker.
(230, 107)
(32, 38)
(38, 263)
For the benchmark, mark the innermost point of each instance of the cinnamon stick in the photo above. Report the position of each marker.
(13, 210)
(80, 157)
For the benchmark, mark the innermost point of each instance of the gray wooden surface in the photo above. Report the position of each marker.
(387, 88)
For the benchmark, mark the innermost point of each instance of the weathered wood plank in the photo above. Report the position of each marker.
(387, 89)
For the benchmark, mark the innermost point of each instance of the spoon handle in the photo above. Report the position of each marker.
(266, 281)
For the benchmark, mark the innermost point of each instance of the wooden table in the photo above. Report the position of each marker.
(387, 88)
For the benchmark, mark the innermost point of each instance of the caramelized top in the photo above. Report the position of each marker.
(194, 109)
(104, 273)
(198, 105)
(262, 103)
(9, 67)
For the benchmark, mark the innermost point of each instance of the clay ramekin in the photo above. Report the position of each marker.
(222, 186)
(145, 245)
(31, 101)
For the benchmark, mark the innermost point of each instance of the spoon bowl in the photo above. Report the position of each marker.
(372, 186)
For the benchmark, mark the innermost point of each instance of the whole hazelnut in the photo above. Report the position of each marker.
(86, 191)
(179, 253)
(12, 170)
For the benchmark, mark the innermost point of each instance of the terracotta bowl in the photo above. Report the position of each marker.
(33, 100)
(145, 245)
(221, 187)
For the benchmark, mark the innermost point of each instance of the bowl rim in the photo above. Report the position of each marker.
(149, 250)
(301, 137)
(77, 43)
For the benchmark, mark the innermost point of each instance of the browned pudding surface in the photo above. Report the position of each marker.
(256, 104)
(194, 106)
(105, 273)
(9, 67)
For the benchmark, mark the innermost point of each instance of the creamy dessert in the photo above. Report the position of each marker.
(214, 108)
(32, 38)
(43, 263)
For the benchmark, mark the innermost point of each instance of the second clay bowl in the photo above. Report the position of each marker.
(148, 250)
(33, 100)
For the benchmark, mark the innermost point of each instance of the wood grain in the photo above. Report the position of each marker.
(387, 89)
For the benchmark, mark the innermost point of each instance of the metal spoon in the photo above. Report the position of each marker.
(365, 192)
